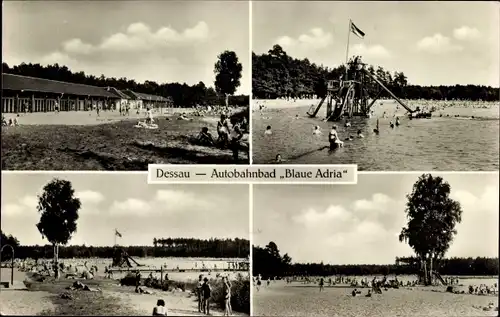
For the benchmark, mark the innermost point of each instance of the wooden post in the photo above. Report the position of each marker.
(161, 275)
(16, 105)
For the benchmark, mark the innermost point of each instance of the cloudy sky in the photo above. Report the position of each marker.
(432, 42)
(360, 224)
(163, 41)
(139, 211)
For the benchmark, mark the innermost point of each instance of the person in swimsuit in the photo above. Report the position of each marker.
(321, 284)
(259, 283)
(235, 138)
(316, 130)
(205, 138)
(160, 309)
(223, 130)
(228, 311)
(333, 138)
(268, 130)
(199, 288)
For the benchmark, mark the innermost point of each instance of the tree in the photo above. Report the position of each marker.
(59, 212)
(432, 216)
(228, 74)
(10, 240)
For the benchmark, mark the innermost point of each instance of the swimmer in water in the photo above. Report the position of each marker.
(376, 130)
(391, 124)
(333, 138)
(347, 124)
(360, 135)
(397, 122)
(278, 159)
(316, 130)
(268, 130)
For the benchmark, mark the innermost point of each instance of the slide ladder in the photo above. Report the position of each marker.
(438, 276)
(389, 92)
(313, 114)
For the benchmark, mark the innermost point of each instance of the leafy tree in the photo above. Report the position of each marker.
(432, 217)
(10, 240)
(59, 212)
(228, 74)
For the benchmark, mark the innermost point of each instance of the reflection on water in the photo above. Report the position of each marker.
(441, 143)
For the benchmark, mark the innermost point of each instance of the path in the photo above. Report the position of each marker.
(178, 304)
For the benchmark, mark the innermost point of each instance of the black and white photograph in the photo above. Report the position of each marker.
(118, 85)
(387, 85)
(392, 245)
(94, 245)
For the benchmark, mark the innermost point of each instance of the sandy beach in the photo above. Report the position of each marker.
(297, 299)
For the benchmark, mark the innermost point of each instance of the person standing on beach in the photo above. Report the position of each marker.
(199, 288)
(207, 291)
(228, 311)
(160, 309)
(321, 284)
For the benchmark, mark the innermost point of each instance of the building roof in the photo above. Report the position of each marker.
(141, 96)
(18, 82)
(118, 93)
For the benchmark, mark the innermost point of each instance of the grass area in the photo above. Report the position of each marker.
(111, 146)
(82, 303)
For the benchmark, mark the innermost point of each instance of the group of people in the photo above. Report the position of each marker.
(227, 137)
(12, 122)
(204, 293)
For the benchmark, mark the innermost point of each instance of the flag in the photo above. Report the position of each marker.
(118, 234)
(357, 31)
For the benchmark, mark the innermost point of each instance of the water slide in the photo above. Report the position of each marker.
(390, 92)
(438, 276)
(313, 114)
(339, 108)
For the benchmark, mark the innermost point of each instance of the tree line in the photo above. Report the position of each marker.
(228, 74)
(276, 74)
(268, 262)
(177, 247)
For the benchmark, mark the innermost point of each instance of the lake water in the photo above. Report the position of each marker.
(446, 143)
(151, 262)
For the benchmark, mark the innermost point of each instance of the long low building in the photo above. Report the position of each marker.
(30, 94)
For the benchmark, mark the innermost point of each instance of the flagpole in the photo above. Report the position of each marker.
(347, 48)
(115, 237)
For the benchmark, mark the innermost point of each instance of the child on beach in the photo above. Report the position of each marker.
(160, 309)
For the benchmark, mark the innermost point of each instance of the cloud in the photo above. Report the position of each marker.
(77, 46)
(131, 205)
(375, 51)
(333, 214)
(437, 44)
(12, 209)
(138, 38)
(378, 202)
(90, 197)
(465, 33)
(315, 39)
